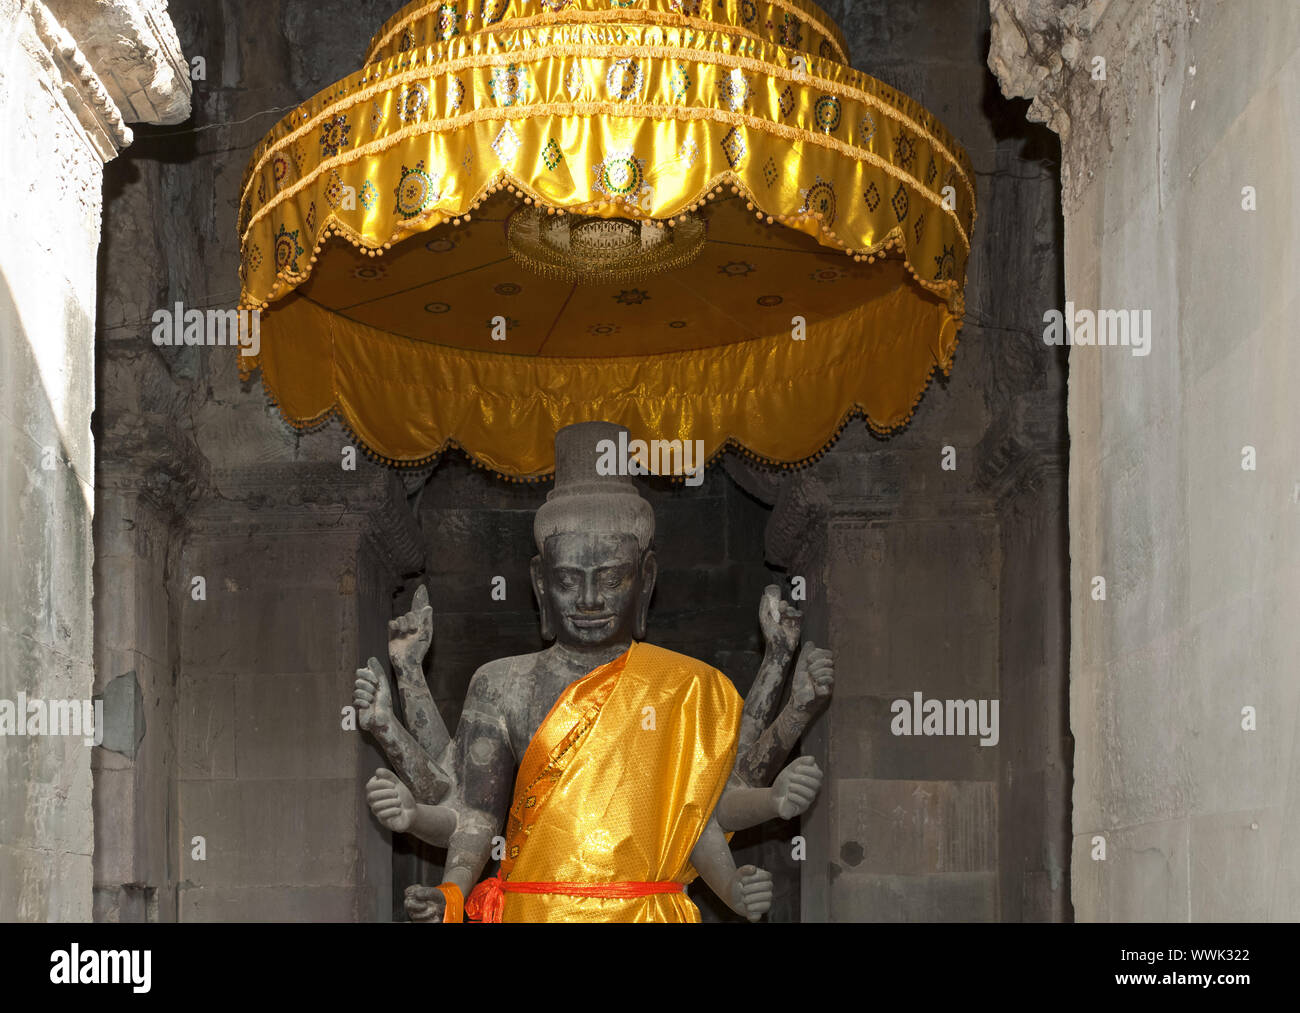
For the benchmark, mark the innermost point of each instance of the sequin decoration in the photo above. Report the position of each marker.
(946, 263)
(287, 250)
(575, 80)
(509, 85)
(786, 101)
(624, 80)
(621, 177)
(904, 150)
(416, 190)
(334, 136)
(551, 154)
(733, 146)
(866, 129)
(413, 102)
(827, 113)
(733, 90)
(369, 195)
(899, 202)
(506, 144)
(455, 94)
(679, 81)
(820, 198)
(448, 22)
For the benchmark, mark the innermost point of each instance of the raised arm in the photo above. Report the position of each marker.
(810, 691)
(409, 637)
(414, 764)
(780, 623)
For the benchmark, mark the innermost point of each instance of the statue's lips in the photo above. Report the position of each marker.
(590, 623)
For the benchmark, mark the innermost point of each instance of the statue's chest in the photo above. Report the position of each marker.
(532, 706)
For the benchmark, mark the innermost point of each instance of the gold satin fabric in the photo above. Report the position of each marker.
(783, 400)
(631, 109)
(600, 798)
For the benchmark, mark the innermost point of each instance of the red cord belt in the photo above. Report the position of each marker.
(488, 899)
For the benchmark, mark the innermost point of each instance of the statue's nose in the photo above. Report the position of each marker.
(591, 597)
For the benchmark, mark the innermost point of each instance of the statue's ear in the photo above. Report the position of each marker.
(649, 571)
(539, 590)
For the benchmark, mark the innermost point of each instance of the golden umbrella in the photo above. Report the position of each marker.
(690, 218)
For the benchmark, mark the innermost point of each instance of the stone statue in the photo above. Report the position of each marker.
(627, 785)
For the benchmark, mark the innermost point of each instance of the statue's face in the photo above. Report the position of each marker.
(594, 587)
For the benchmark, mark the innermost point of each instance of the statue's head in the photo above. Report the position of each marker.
(595, 570)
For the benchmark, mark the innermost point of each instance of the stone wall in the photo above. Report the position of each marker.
(948, 582)
(67, 76)
(1200, 556)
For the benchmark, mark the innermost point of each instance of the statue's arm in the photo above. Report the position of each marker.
(763, 696)
(780, 623)
(814, 680)
(793, 792)
(747, 890)
(484, 763)
(409, 637)
(417, 767)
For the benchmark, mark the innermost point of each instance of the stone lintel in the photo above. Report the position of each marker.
(72, 78)
(298, 498)
(133, 48)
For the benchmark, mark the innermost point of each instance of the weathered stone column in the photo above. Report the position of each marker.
(62, 111)
(1178, 124)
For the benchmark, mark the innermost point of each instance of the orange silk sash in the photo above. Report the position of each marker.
(613, 792)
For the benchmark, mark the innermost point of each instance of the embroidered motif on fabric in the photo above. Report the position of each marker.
(904, 150)
(509, 85)
(733, 90)
(448, 22)
(416, 190)
(334, 136)
(506, 145)
(827, 113)
(786, 101)
(872, 196)
(733, 146)
(369, 195)
(287, 250)
(455, 94)
(820, 197)
(413, 102)
(899, 202)
(551, 154)
(624, 80)
(679, 81)
(946, 263)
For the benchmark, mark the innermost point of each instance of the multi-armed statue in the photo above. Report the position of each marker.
(634, 763)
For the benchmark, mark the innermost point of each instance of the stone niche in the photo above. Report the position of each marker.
(946, 582)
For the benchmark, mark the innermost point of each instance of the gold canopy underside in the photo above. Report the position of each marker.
(616, 112)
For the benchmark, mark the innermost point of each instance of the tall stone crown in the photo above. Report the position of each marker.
(585, 500)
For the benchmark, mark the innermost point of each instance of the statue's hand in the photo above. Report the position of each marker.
(796, 787)
(391, 801)
(751, 892)
(373, 698)
(779, 620)
(410, 635)
(425, 903)
(814, 679)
